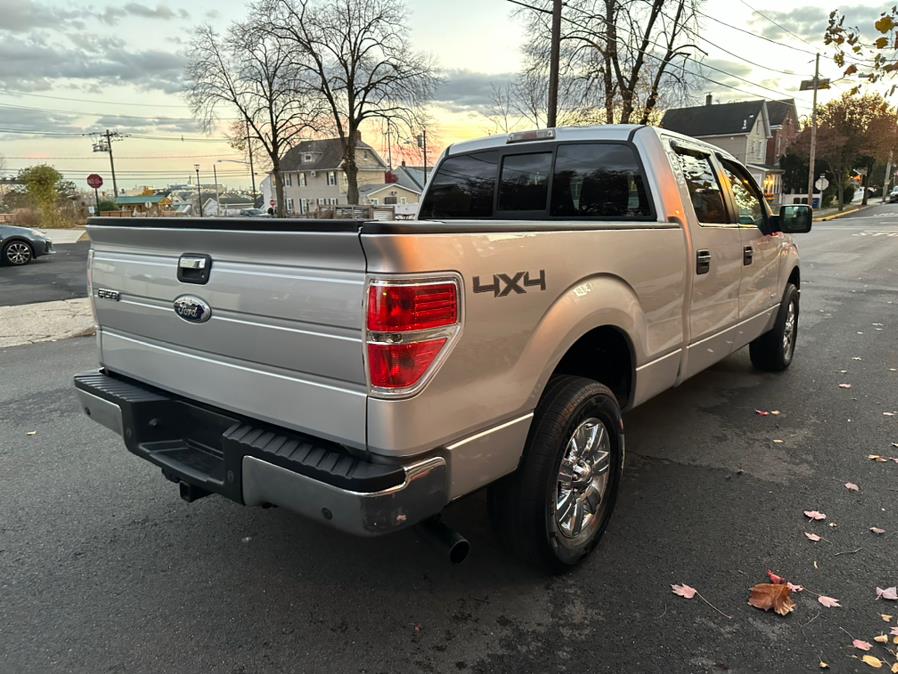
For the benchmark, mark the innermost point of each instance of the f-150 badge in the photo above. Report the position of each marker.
(505, 284)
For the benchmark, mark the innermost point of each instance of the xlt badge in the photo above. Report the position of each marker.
(504, 284)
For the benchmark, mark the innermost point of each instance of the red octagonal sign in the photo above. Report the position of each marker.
(95, 181)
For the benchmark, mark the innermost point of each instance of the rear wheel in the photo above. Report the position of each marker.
(556, 506)
(17, 253)
(773, 351)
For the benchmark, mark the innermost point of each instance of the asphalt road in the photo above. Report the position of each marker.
(52, 277)
(104, 569)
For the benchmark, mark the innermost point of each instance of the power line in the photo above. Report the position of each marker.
(156, 118)
(760, 37)
(28, 132)
(13, 92)
(778, 25)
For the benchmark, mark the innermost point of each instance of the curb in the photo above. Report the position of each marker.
(836, 216)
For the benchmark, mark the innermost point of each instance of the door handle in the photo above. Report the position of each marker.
(703, 262)
(747, 255)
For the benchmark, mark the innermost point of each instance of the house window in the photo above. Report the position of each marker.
(288, 180)
(289, 205)
(332, 178)
(403, 200)
(307, 159)
(373, 202)
(303, 180)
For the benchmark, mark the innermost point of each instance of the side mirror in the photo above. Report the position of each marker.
(794, 219)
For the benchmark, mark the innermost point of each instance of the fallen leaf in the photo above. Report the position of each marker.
(832, 525)
(794, 587)
(888, 414)
(823, 665)
(31, 433)
(893, 369)
(762, 413)
(862, 645)
(856, 358)
(877, 457)
(890, 593)
(814, 515)
(829, 602)
(894, 444)
(894, 630)
(778, 442)
(894, 668)
(684, 591)
(771, 596)
(775, 413)
(851, 486)
(877, 531)
(813, 537)
(776, 580)
(881, 638)
(888, 618)
(844, 385)
(873, 662)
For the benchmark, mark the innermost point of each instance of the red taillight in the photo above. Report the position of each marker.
(399, 308)
(401, 365)
(409, 324)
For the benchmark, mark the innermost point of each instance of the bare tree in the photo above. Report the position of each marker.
(252, 73)
(628, 55)
(355, 55)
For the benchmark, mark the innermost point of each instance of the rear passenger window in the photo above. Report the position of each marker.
(598, 180)
(463, 187)
(707, 197)
(524, 185)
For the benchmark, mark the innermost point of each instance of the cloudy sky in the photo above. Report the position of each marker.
(71, 68)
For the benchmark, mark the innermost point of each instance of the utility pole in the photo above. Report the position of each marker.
(814, 85)
(199, 190)
(555, 57)
(389, 147)
(104, 144)
(217, 197)
(252, 173)
(887, 178)
(422, 143)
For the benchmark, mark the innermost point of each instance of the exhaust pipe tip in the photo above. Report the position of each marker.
(437, 533)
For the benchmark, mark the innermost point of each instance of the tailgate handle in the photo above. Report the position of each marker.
(194, 268)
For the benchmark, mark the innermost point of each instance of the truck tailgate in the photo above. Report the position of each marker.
(283, 339)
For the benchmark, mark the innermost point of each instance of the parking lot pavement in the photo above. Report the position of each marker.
(103, 568)
(61, 276)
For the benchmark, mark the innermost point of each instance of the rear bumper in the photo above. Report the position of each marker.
(207, 450)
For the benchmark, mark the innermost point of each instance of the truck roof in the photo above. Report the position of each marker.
(614, 132)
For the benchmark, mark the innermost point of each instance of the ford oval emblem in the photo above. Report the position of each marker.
(192, 309)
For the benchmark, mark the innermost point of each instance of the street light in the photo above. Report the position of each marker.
(199, 191)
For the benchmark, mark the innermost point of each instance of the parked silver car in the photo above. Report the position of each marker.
(20, 245)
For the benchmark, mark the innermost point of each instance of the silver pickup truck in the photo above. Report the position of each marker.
(367, 374)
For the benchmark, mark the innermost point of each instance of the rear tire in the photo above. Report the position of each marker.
(554, 509)
(773, 351)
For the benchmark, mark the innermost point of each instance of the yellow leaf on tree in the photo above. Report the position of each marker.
(872, 661)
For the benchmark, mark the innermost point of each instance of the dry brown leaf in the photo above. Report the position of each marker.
(814, 515)
(844, 385)
(890, 593)
(778, 441)
(877, 531)
(772, 596)
(813, 537)
(823, 665)
(828, 602)
(888, 618)
(851, 486)
(683, 591)
(775, 413)
(881, 638)
(894, 668)
(871, 661)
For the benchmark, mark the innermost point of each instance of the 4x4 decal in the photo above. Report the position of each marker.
(504, 284)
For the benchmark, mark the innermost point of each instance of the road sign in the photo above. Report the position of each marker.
(95, 181)
(272, 203)
(821, 184)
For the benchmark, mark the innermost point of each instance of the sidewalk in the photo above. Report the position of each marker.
(72, 235)
(825, 214)
(45, 322)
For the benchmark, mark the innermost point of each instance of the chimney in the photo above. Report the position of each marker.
(708, 99)
(358, 136)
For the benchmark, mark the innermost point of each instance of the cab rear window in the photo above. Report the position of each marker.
(590, 181)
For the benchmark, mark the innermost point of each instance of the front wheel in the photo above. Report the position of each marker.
(17, 253)
(773, 351)
(556, 506)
